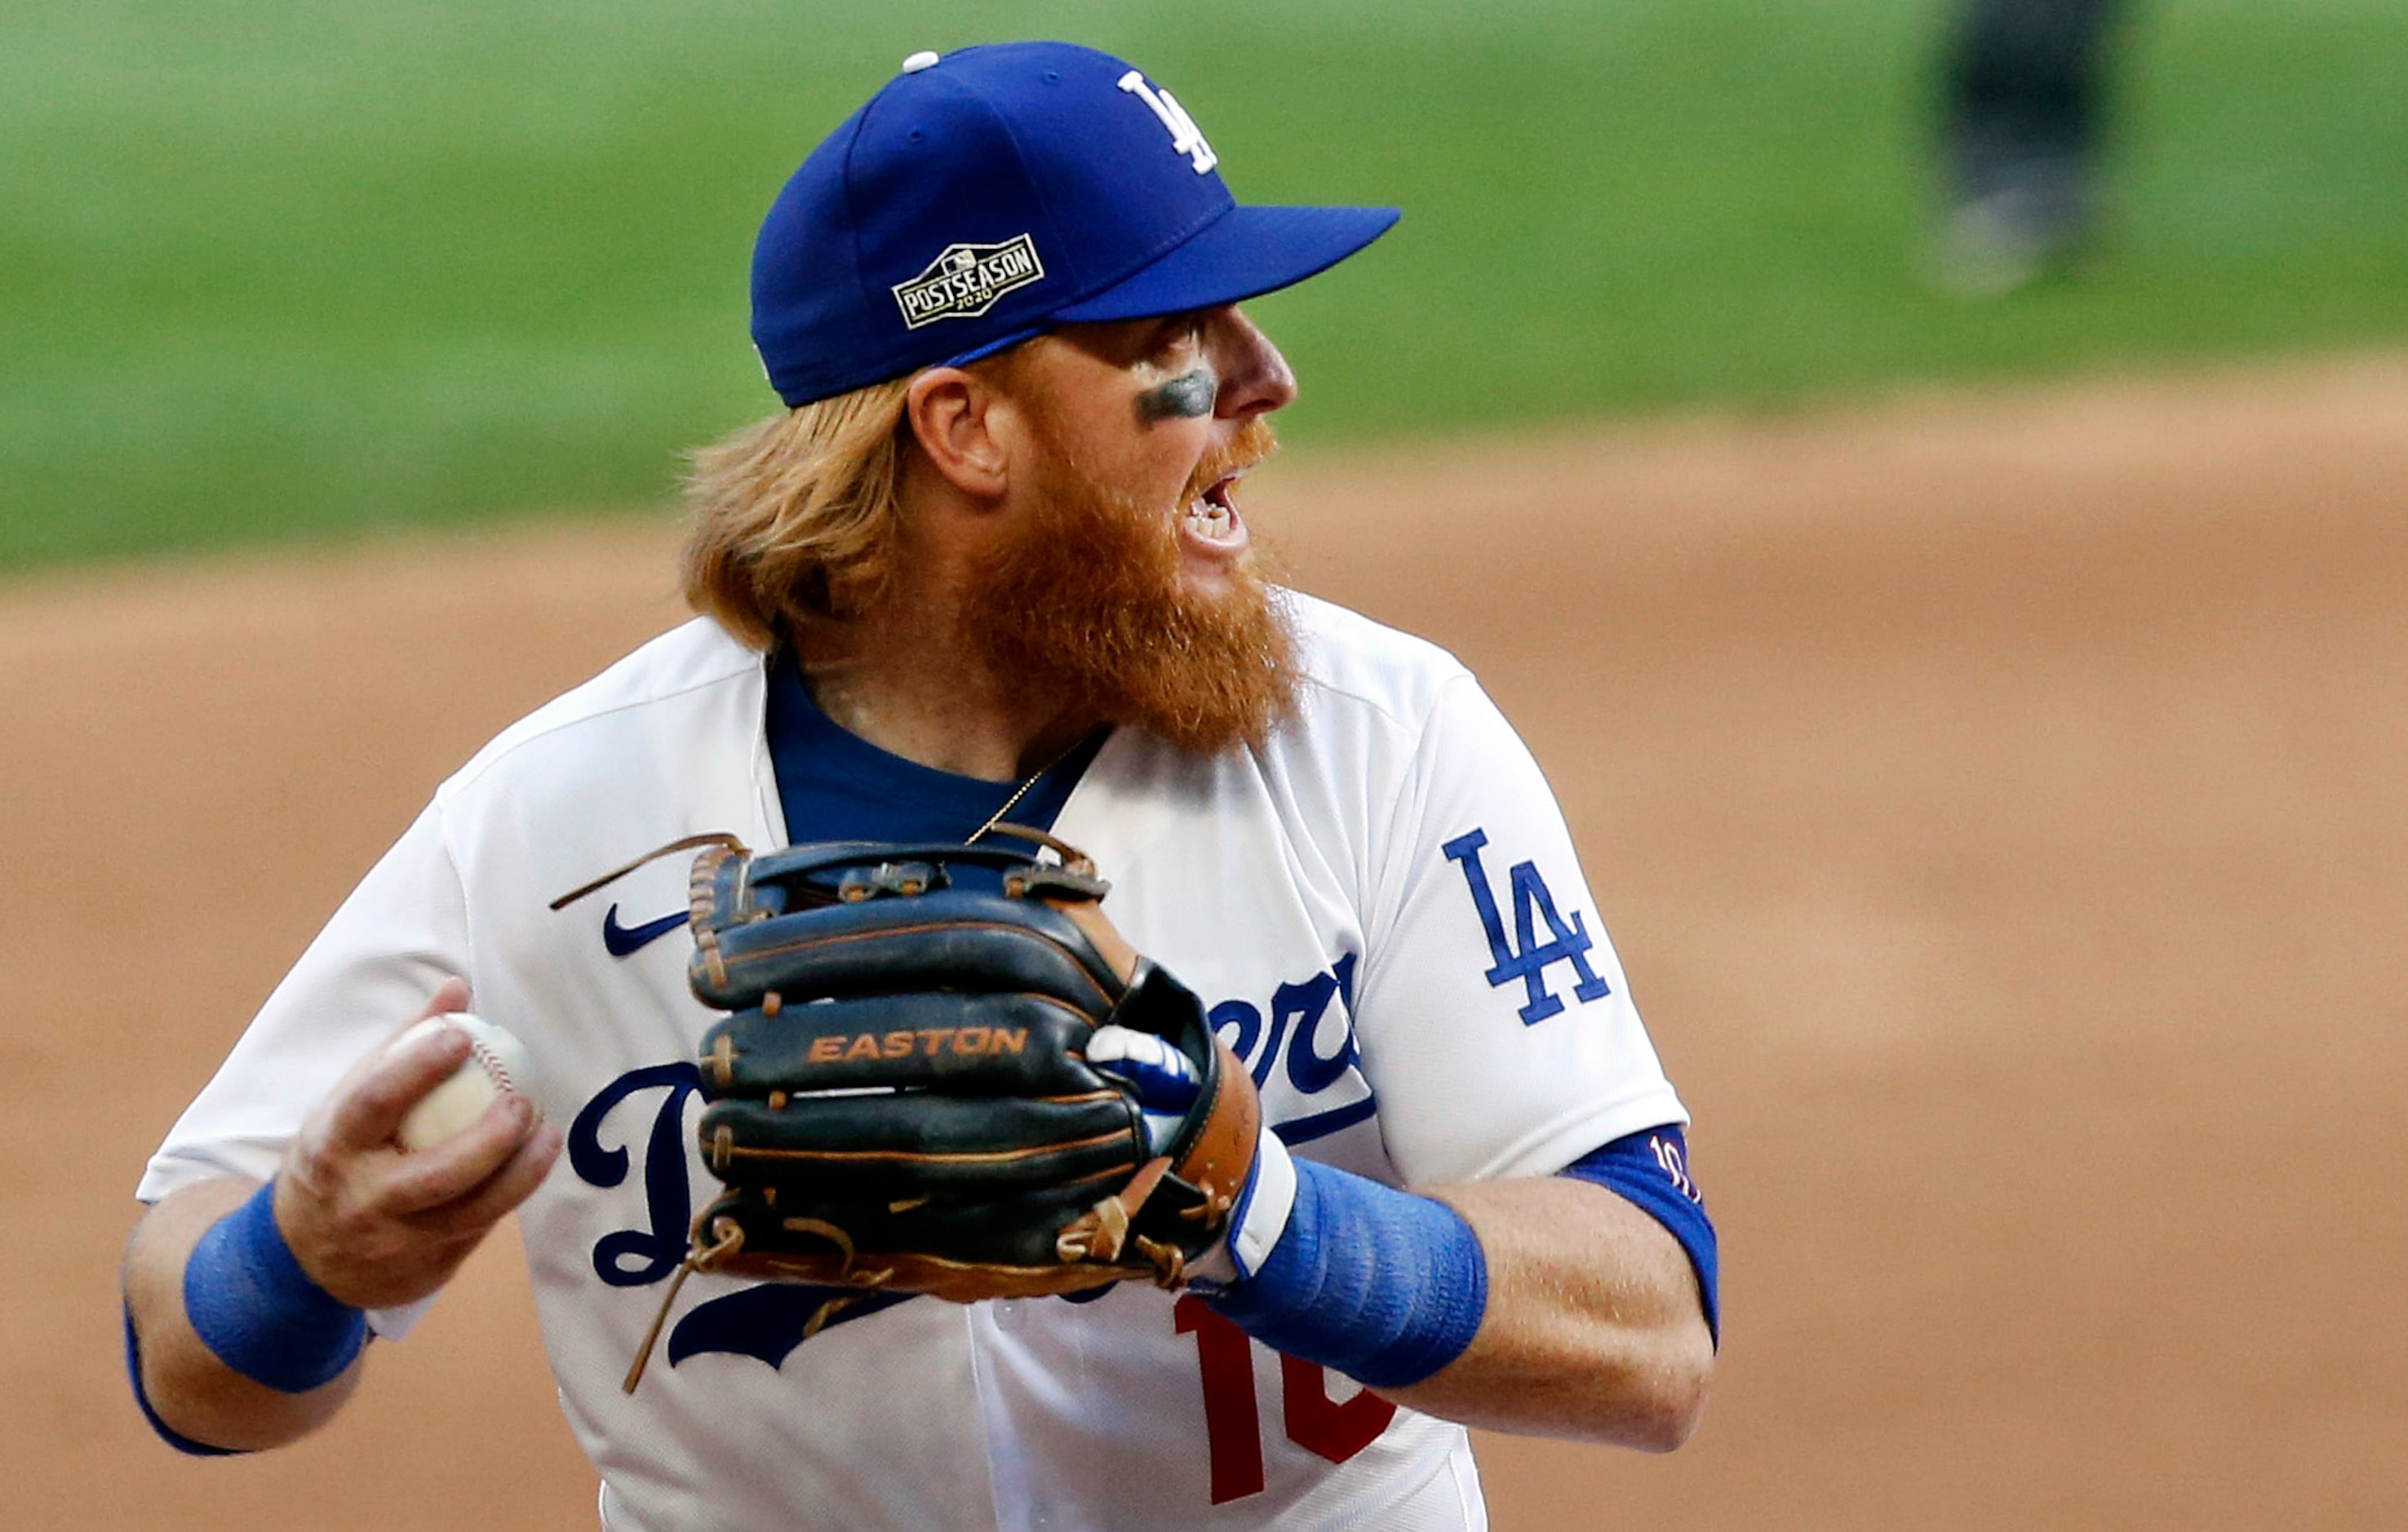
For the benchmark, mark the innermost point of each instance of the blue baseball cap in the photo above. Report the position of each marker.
(986, 195)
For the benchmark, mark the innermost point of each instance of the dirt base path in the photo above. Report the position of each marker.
(1996, 800)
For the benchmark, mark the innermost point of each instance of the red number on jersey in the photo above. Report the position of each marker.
(1233, 1427)
(1233, 1423)
(1336, 1431)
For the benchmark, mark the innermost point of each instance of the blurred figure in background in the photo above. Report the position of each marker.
(2022, 114)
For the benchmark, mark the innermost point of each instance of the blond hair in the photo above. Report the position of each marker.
(793, 519)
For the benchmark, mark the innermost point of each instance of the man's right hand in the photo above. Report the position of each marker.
(370, 1223)
(379, 1227)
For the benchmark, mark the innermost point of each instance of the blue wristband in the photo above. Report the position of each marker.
(258, 1312)
(1383, 1285)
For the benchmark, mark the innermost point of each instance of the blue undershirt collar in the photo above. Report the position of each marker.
(834, 785)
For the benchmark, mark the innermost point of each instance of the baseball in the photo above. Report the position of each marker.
(496, 1062)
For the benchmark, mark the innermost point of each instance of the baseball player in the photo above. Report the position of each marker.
(988, 568)
(2023, 115)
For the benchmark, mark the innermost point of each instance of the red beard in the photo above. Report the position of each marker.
(1086, 599)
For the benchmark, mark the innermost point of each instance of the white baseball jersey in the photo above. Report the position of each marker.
(1382, 906)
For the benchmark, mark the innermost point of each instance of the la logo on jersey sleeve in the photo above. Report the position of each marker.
(1520, 954)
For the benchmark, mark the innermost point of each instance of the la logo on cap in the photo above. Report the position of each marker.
(1185, 136)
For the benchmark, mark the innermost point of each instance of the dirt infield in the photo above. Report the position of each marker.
(1997, 801)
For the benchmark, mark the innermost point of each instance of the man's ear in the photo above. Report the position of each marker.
(965, 427)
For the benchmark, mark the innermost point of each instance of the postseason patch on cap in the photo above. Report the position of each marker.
(964, 281)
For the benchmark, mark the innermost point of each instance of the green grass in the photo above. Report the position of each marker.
(271, 269)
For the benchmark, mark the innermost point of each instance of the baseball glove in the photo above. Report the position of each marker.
(944, 1072)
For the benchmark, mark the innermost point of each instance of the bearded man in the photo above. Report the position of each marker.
(989, 562)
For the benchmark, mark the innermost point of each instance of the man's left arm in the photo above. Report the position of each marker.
(1578, 1305)
(1551, 1271)
(1594, 1327)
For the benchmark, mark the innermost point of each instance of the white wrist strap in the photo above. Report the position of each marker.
(1259, 1219)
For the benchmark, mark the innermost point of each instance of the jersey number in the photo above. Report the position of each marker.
(1233, 1425)
(1676, 1166)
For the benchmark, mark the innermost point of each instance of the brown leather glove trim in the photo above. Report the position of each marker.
(1222, 1156)
(1104, 1000)
(918, 1156)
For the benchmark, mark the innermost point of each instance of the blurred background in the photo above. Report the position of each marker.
(1977, 684)
(274, 269)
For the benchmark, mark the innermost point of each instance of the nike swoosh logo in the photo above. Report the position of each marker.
(625, 940)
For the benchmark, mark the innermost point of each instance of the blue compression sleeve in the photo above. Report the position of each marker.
(258, 1312)
(1651, 1168)
(1383, 1285)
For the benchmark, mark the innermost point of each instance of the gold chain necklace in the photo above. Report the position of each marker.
(1021, 792)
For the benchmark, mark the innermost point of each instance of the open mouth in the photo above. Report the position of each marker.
(1211, 522)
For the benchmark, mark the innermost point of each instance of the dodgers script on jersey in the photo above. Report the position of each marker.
(1382, 906)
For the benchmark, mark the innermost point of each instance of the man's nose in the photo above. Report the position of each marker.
(1254, 377)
